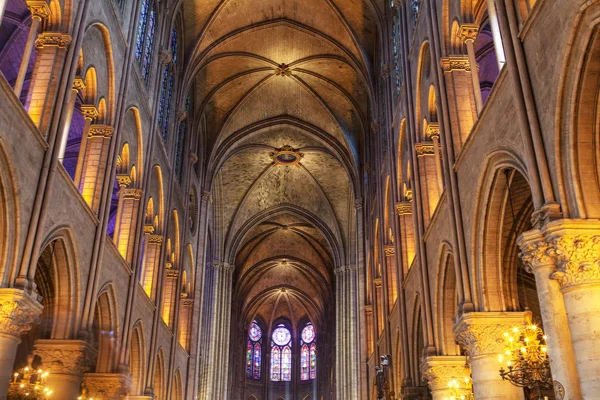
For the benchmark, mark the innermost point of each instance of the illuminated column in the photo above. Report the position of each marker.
(19, 311)
(89, 113)
(51, 50)
(66, 361)
(39, 10)
(538, 257)
(482, 335)
(460, 96)
(94, 164)
(498, 46)
(150, 263)
(392, 273)
(185, 313)
(440, 371)
(576, 249)
(433, 132)
(407, 233)
(129, 203)
(429, 178)
(2, 8)
(468, 33)
(78, 85)
(169, 296)
(108, 386)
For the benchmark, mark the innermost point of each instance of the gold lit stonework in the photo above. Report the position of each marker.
(424, 149)
(283, 70)
(39, 8)
(389, 250)
(124, 180)
(55, 39)
(468, 32)
(455, 63)
(105, 131)
(89, 112)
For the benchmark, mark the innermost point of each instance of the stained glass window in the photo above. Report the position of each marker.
(415, 5)
(164, 107)
(396, 48)
(174, 44)
(281, 354)
(179, 152)
(145, 36)
(308, 353)
(253, 351)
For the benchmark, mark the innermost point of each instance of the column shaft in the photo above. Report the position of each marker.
(496, 33)
(8, 352)
(474, 75)
(33, 30)
(487, 383)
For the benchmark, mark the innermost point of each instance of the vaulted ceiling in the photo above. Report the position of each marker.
(283, 89)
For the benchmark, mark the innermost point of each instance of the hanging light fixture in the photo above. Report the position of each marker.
(29, 383)
(525, 361)
(460, 390)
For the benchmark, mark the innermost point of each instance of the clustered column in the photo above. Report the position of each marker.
(441, 370)
(565, 254)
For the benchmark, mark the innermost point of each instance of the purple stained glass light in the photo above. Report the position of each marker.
(308, 333)
(257, 361)
(281, 335)
(275, 364)
(174, 44)
(254, 332)
(286, 364)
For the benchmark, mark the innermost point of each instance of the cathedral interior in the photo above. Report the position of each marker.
(300, 199)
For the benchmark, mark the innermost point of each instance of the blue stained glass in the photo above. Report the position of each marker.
(141, 33)
(397, 61)
(249, 360)
(257, 361)
(281, 354)
(174, 44)
(254, 352)
(163, 98)
(149, 42)
(178, 151)
(415, 6)
(167, 110)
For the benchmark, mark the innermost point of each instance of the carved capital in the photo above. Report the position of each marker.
(181, 114)
(133, 194)
(482, 333)
(424, 149)
(78, 84)
(124, 180)
(164, 57)
(172, 273)
(223, 266)
(441, 370)
(53, 39)
(192, 158)
(89, 112)
(39, 8)
(455, 63)
(535, 251)
(106, 386)
(433, 130)
(206, 196)
(156, 239)
(389, 250)
(103, 131)
(149, 229)
(19, 311)
(468, 32)
(65, 357)
(404, 208)
(575, 246)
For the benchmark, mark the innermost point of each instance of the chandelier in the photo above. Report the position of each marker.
(29, 383)
(525, 361)
(460, 391)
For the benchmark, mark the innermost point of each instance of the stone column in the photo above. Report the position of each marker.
(66, 361)
(108, 386)
(498, 46)
(537, 257)
(89, 113)
(576, 249)
(216, 379)
(78, 85)
(468, 34)
(430, 180)
(51, 50)
(461, 102)
(433, 132)
(94, 164)
(441, 370)
(482, 335)
(39, 10)
(18, 312)
(129, 203)
(407, 233)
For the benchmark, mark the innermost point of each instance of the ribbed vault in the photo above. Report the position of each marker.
(282, 90)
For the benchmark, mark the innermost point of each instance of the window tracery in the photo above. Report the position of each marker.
(281, 354)
(254, 351)
(308, 353)
(145, 37)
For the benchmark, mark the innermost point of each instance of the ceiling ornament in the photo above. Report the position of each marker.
(286, 156)
(283, 70)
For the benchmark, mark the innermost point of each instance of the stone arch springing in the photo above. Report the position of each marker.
(177, 392)
(106, 330)
(159, 384)
(447, 303)
(8, 218)
(137, 359)
(577, 135)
